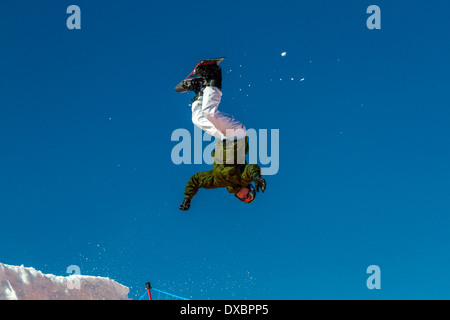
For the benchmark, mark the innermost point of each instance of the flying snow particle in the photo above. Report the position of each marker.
(302, 79)
(283, 54)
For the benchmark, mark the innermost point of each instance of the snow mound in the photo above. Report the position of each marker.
(21, 283)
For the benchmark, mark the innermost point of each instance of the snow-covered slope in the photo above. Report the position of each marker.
(21, 283)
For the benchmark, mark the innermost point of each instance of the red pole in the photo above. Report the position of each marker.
(148, 289)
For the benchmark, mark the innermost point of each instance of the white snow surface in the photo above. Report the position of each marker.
(23, 283)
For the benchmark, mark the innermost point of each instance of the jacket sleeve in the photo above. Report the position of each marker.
(250, 171)
(204, 179)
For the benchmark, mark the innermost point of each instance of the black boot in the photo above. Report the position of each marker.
(212, 73)
(195, 84)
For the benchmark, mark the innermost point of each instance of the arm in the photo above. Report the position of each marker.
(199, 180)
(252, 172)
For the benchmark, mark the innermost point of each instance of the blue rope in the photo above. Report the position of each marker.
(169, 294)
(163, 292)
(142, 297)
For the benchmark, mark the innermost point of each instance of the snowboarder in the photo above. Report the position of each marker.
(230, 169)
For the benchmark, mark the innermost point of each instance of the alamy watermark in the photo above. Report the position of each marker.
(73, 281)
(374, 21)
(74, 20)
(374, 280)
(191, 150)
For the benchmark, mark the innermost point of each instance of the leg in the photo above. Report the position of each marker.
(201, 121)
(211, 100)
(205, 112)
(226, 124)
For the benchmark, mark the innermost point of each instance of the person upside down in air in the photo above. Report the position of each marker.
(230, 169)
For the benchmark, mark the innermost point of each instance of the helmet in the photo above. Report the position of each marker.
(250, 196)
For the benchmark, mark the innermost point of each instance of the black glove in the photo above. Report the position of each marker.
(260, 183)
(186, 204)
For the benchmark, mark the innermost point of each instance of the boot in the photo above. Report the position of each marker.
(212, 73)
(195, 84)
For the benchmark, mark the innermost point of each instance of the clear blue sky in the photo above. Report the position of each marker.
(86, 118)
